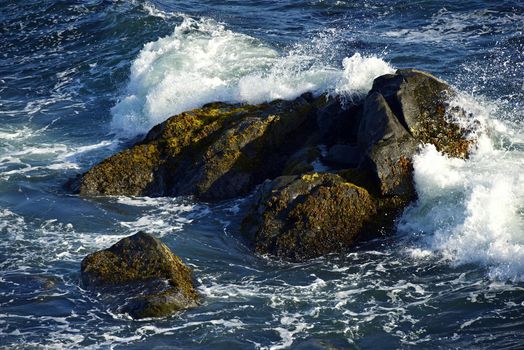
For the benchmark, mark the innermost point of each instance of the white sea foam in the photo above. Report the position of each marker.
(167, 215)
(291, 325)
(23, 153)
(10, 134)
(359, 73)
(472, 211)
(203, 61)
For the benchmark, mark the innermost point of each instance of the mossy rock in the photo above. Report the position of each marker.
(215, 152)
(302, 217)
(154, 282)
(130, 172)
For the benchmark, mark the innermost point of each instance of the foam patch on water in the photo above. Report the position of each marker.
(23, 153)
(203, 61)
(461, 27)
(154, 11)
(164, 216)
(472, 211)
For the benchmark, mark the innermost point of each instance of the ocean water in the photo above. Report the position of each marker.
(80, 80)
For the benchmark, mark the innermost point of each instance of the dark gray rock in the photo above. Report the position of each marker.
(302, 161)
(403, 111)
(388, 145)
(344, 156)
(337, 119)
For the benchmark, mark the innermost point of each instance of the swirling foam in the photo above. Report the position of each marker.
(202, 61)
(472, 211)
(447, 26)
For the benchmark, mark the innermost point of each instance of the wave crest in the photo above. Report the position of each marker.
(203, 61)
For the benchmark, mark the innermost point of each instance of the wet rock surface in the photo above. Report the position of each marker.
(332, 174)
(215, 152)
(142, 275)
(301, 217)
(401, 112)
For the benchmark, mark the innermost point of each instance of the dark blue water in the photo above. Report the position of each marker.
(80, 79)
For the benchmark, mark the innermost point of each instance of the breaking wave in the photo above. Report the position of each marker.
(472, 211)
(203, 61)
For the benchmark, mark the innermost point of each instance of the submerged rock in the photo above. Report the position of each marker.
(143, 271)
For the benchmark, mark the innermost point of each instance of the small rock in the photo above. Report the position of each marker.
(145, 273)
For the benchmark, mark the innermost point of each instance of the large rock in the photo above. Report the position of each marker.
(142, 273)
(401, 112)
(215, 152)
(364, 152)
(301, 217)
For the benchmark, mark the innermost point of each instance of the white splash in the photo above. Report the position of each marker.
(359, 73)
(203, 61)
(472, 211)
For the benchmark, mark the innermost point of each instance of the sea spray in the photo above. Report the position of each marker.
(203, 61)
(470, 211)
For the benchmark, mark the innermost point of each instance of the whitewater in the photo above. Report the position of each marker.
(202, 62)
(452, 275)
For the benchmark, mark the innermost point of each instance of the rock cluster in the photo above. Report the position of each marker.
(326, 176)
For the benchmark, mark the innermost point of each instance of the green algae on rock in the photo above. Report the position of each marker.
(215, 152)
(364, 149)
(301, 217)
(154, 282)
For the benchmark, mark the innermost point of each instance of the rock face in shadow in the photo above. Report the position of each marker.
(143, 273)
(332, 175)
